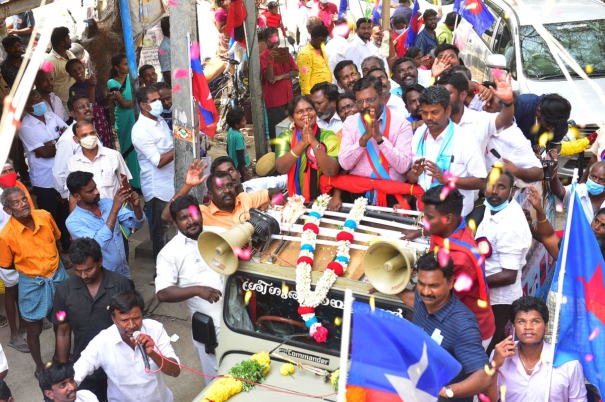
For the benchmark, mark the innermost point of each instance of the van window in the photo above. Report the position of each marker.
(504, 44)
(584, 40)
(272, 312)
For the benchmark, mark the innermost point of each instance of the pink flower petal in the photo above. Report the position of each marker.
(242, 254)
(47, 67)
(61, 315)
(498, 73)
(426, 224)
(594, 334)
(342, 30)
(193, 211)
(176, 88)
(181, 73)
(195, 51)
(173, 3)
(160, 51)
(463, 283)
(278, 199)
(483, 398)
(443, 256)
(444, 192)
(218, 182)
(559, 207)
(588, 357)
(274, 39)
(304, 69)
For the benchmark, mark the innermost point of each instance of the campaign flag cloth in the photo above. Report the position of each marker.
(475, 12)
(582, 317)
(235, 21)
(414, 26)
(393, 359)
(201, 92)
(377, 13)
(342, 10)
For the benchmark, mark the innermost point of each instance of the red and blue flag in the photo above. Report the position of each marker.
(201, 92)
(583, 314)
(387, 366)
(475, 12)
(414, 26)
(377, 13)
(342, 10)
(235, 21)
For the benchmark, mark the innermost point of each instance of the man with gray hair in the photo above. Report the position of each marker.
(39, 266)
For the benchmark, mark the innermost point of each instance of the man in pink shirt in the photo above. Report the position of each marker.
(524, 367)
(375, 142)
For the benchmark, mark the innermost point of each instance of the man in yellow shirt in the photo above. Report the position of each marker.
(29, 243)
(312, 61)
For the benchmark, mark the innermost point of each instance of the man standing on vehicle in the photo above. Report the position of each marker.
(182, 274)
(277, 82)
(427, 39)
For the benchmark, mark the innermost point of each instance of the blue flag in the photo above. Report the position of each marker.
(475, 12)
(342, 10)
(582, 317)
(414, 26)
(393, 359)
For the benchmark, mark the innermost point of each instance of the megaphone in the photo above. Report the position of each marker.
(388, 265)
(217, 248)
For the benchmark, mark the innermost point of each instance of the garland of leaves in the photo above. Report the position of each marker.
(307, 299)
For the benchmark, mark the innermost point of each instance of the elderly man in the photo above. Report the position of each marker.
(152, 139)
(44, 85)
(39, 266)
(83, 298)
(312, 61)
(101, 218)
(117, 352)
(182, 274)
(324, 96)
(58, 56)
(375, 142)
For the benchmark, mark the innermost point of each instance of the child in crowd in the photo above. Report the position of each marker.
(236, 145)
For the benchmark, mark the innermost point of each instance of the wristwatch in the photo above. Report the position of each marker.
(54, 142)
(448, 392)
(318, 146)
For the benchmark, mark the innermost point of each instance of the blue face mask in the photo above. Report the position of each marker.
(495, 209)
(594, 188)
(39, 109)
(169, 110)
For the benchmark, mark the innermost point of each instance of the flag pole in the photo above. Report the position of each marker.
(344, 344)
(193, 133)
(563, 254)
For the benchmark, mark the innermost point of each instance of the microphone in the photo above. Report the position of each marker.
(135, 335)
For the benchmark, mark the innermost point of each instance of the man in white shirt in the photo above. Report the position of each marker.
(182, 274)
(525, 368)
(44, 85)
(58, 385)
(152, 139)
(393, 102)
(360, 46)
(324, 96)
(107, 165)
(591, 193)
(336, 48)
(441, 146)
(40, 129)
(118, 353)
(504, 238)
(80, 108)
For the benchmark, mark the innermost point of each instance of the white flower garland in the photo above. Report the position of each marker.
(308, 299)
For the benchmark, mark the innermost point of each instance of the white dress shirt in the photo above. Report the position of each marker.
(359, 50)
(481, 124)
(34, 134)
(509, 237)
(263, 183)
(151, 139)
(107, 166)
(468, 162)
(84, 395)
(584, 197)
(66, 148)
(336, 51)
(124, 366)
(56, 106)
(512, 145)
(180, 264)
(396, 106)
(566, 385)
(334, 125)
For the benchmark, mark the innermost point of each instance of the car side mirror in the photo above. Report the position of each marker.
(496, 61)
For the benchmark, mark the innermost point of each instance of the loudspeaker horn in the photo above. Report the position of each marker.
(217, 248)
(388, 266)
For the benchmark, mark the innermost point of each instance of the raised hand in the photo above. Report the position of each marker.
(503, 350)
(504, 88)
(193, 174)
(441, 64)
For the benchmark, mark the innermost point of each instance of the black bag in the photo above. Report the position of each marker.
(202, 327)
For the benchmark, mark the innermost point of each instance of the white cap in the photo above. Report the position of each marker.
(323, 1)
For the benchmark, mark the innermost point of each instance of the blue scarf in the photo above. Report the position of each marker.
(444, 157)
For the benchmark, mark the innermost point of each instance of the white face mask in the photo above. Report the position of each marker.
(400, 31)
(156, 108)
(89, 142)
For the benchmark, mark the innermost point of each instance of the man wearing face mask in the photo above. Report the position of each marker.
(325, 96)
(591, 193)
(166, 98)
(44, 85)
(153, 142)
(40, 130)
(504, 238)
(107, 165)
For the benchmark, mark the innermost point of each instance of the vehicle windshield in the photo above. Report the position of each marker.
(583, 40)
(272, 312)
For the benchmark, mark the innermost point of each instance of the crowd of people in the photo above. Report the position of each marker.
(411, 130)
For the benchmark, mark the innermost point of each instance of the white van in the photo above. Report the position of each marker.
(579, 25)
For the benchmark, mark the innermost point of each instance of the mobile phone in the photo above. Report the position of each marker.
(125, 183)
(495, 153)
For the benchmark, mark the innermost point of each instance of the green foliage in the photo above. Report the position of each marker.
(248, 370)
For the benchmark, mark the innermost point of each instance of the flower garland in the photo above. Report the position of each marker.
(310, 300)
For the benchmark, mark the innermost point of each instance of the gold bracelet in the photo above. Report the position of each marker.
(294, 155)
(545, 219)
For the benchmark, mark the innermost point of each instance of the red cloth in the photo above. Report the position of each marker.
(464, 264)
(273, 20)
(399, 43)
(279, 93)
(235, 21)
(359, 184)
(326, 14)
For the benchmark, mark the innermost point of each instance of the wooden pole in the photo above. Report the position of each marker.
(183, 25)
(254, 80)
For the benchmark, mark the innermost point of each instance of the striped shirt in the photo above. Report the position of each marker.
(460, 332)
